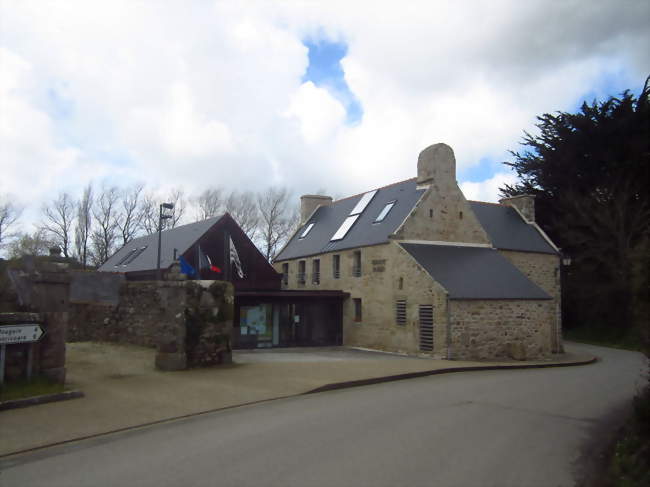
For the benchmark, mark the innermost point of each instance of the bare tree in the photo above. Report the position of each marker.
(84, 224)
(9, 215)
(129, 220)
(243, 207)
(149, 214)
(150, 210)
(278, 219)
(26, 244)
(177, 198)
(209, 204)
(59, 216)
(105, 213)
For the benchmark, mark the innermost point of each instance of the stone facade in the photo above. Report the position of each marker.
(189, 322)
(462, 329)
(501, 329)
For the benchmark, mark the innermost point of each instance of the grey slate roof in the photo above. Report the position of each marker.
(364, 232)
(474, 272)
(180, 238)
(507, 230)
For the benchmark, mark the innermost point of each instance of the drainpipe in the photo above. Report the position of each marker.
(449, 354)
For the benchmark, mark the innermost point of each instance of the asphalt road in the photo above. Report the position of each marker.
(498, 428)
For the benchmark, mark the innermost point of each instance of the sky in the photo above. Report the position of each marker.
(316, 96)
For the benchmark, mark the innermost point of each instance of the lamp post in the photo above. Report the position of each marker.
(167, 206)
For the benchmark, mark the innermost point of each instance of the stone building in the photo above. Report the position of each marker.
(428, 272)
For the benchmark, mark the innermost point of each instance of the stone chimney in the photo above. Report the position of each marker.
(436, 164)
(525, 203)
(309, 202)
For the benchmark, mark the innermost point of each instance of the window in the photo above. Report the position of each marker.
(134, 255)
(363, 202)
(400, 283)
(430, 213)
(345, 227)
(285, 273)
(301, 272)
(400, 312)
(460, 215)
(315, 271)
(426, 328)
(128, 254)
(356, 263)
(384, 212)
(357, 309)
(336, 266)
(307, 230)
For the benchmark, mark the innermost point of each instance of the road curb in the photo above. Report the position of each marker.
(44, 399)
(326, 387)
(414, 375)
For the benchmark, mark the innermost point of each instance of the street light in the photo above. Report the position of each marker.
(166, 206)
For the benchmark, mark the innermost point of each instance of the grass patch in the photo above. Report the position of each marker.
(605, 337)
(38, 386)
(630, 462)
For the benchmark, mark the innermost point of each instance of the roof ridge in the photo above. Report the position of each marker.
(375, 189)
(487, 203)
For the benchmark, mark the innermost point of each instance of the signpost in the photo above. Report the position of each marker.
(23, 333)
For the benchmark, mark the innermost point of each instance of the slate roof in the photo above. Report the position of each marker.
(364, 232)
(507, 230)
(474, 272)
(180, 238)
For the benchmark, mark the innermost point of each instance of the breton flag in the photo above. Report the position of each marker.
(234, 259)
(205, 262)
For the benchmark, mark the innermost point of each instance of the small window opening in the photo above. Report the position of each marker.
(400, 312)
(356, 263)
(285, 273)
(400, 283)
(301, 272)
(357, 309)
(460, 215)
(315, 271)
(336, 266)
(430, 213)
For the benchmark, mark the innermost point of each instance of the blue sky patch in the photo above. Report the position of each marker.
(325, 71)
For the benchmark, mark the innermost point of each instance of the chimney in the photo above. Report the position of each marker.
(436, 164)
(309, 202)
(525, 203)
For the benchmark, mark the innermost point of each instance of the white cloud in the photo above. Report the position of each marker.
(211, 93)
(487, 190)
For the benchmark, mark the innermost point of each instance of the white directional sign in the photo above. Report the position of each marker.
(24, 333)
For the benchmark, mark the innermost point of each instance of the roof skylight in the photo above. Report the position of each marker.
(126, 256)
(307, 230)
(385, 211)
(134, 255)
(363, 202)
(345, 227)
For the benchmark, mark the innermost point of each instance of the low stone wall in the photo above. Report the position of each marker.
(501, 329)
(189, 322)
(48, 354)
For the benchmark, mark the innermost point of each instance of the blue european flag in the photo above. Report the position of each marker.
(186, 268)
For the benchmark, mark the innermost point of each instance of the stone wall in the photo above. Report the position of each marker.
(388, 273)
(543, 270)
(501, 329)
(189, 322)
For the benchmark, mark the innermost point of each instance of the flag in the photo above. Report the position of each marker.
(234, 259)
(186, 268)
(205, 262)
